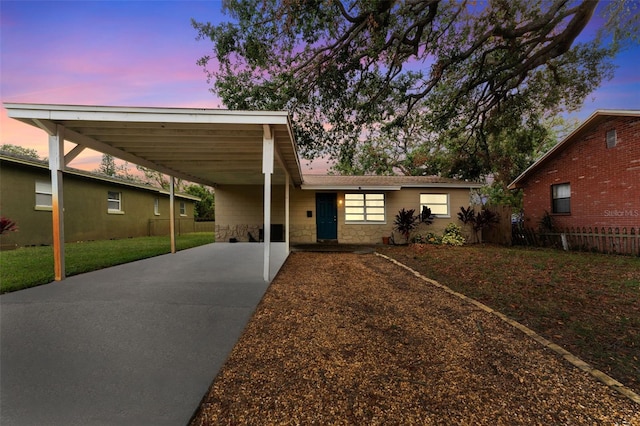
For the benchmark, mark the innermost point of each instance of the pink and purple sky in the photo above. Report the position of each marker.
(144, 53)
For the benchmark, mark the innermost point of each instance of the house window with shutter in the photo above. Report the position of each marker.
(561, 198)
(612, 138)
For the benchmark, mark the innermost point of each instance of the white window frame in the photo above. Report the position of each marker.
(43, 189)
(111, 199)
(364, 208)
(183, 208)
(561, 191)
(431, 205)
(156, 206)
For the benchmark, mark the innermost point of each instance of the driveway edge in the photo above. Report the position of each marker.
(574, 360)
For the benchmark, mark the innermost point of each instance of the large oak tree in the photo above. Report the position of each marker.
(415, 86)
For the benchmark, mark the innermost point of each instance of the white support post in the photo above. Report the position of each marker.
(56, 166)
(287, 184)
(267, 169)
(172, 214)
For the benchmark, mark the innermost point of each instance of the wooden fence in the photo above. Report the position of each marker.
(499, 233)
(603, 240)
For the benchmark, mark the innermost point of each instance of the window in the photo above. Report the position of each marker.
(183, 208)
(364, 208)
(612, 138)
(438, 203)
(561, 198)
(43, 195)
(156, 206)
(114, 202)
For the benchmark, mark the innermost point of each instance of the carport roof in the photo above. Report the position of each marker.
(207, 146)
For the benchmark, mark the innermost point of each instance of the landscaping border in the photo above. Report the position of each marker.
(574, 360)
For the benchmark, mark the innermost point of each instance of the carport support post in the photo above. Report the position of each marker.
(267, 169)
(56, 165)
(287, 178)
(172, 214)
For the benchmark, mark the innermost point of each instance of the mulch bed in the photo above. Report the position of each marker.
(344, 338)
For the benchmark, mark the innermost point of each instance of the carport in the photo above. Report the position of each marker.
(206, 146)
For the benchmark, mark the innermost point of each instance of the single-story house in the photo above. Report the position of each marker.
(97, 207)
(250, 158)
(345, 209)
(591, 178)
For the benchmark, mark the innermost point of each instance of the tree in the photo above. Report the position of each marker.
(359, 76)
(205, 208)
(109, 167)
(20, 150)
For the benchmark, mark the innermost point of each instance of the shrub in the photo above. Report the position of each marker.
(405, 222)
(429, 238)
(453, 235)
(7, 225)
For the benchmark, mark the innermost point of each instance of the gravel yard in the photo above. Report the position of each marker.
(343, 338)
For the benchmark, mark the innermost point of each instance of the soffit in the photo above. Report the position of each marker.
(208, 146)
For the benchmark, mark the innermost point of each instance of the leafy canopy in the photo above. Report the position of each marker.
(20, 150)
(415, 86)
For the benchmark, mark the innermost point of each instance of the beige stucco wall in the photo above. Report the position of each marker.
(239, 210)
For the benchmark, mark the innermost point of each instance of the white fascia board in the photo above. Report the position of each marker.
(349, 188)
(138, 114)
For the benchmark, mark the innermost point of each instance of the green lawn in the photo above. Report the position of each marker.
(31, 266)
(588, 303)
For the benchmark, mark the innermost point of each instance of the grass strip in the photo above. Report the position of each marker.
(31, 266)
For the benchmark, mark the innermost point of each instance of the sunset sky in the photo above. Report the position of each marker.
(144, 53)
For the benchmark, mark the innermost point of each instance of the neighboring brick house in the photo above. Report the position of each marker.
(591, 178)
(97, 207)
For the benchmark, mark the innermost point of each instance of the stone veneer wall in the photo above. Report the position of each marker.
(302, 233)
(240, 232)
(363, 234)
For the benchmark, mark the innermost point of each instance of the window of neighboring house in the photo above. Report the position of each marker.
(183, 208)
(114, 202)
(364, 208)
(612, 138)
(43, 195)
(561, 198)
(438, 203)
(156, 206)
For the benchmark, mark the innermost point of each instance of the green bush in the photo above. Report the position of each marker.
(453, 235)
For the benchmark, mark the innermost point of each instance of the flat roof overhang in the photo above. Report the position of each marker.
(206, 146)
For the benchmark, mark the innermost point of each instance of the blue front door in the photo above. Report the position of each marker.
(327, 216)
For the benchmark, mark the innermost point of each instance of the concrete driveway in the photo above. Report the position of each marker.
(135, 344)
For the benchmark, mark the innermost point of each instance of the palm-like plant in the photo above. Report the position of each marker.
(7, 225)
(405, 222)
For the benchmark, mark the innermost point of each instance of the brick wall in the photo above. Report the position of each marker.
(605, 182)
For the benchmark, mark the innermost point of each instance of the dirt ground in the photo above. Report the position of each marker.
(343, 338)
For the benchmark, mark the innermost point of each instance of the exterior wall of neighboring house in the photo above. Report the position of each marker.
(23, 198)
(239, 210)
(593, 184)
